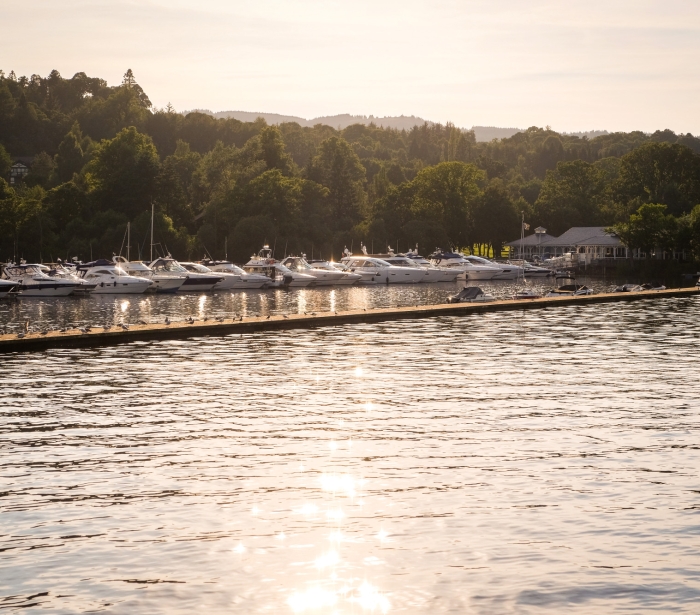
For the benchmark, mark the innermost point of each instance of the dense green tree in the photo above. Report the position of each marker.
(496, 219)
(123, 173)
(273, 151)
(337, 167)
(5, 163)
(572, 195)
(70, 157)
(659, 172)
(649, 229)
(249, 235)
(449, 193)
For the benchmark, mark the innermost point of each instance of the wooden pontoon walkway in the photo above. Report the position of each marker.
(177, 330)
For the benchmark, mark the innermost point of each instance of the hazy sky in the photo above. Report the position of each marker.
(572, 64)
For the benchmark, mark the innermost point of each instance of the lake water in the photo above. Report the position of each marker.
(116, 309)
(523, 462)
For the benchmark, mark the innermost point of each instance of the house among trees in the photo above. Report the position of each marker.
(20, 169)
(595, 243)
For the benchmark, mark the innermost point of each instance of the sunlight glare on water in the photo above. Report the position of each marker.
(535, 462)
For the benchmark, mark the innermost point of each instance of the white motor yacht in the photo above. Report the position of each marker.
(466, 268)
(195, 283)
(280, 276)
(68, 272)
(432, 274)
(384, 273)
(227, 280)
(324, 277)
(163, 281)
(508, 271)
(366, 277)
(109, 279)
(6, 287)
(244, 280)
(534, 271)
(33, 282)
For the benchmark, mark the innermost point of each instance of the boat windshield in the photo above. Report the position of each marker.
(162, 265)
(197, 268)
(403, 262)
(137, 266)
(297, 264)
(479, 261)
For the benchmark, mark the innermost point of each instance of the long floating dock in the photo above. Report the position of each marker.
(98, 336)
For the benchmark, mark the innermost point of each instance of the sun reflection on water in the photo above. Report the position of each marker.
(342, 577)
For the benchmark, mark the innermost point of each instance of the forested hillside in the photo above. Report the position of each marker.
(102, 155)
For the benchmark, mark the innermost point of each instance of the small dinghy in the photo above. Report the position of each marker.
(570, 290)
(527, 293)
(470, 294)
(628, 288)
(653, 286)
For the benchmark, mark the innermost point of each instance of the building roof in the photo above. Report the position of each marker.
(585, 236)
(532, 240)
(575, 236)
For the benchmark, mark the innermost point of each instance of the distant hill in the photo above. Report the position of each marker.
(401, 122)
(489, 133)
(591, 134)
(336, 121)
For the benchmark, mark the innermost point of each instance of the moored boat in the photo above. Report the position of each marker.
(110, 279)
(383, 272)
(33, 282)
(471, 294)
(466, 268)
(194, 283)
(163, 281)
(263, 263)
(244, 280)
(570, 290)
(324, 276)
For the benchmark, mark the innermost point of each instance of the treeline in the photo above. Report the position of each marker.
(102, 156)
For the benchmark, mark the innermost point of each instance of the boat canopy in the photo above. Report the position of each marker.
(469, 292)
(100, 262)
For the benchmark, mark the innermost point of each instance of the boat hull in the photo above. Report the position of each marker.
(6, 288)
(199, 284)
(250, 284)
(440, 275)
(116, 288)
(168, 285)
(46, 290)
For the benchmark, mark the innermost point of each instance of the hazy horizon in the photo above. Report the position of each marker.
(615, 66)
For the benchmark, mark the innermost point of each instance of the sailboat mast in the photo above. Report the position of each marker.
(152, 211)
(522, 239)
(128, 241)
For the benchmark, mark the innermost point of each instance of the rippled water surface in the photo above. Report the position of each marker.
(535, 462)
(98, 310)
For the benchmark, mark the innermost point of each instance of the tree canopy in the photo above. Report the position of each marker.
(101, 155)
